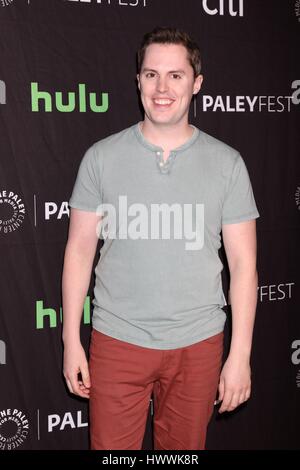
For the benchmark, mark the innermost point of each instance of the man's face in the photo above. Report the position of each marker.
(167, 84)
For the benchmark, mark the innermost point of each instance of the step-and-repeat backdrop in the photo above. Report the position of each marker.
(67, 79)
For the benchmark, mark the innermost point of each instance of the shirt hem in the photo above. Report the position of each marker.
(82, 207)
(244, 218)
(164, 345)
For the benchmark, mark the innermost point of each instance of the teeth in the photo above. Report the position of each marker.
(163, 101)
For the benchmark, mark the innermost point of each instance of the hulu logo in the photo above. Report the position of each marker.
(51, 315)
(2, 352)
(73, 99)
(2, 92)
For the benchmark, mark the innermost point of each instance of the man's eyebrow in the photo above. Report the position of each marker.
(170, 71)
(177, 71)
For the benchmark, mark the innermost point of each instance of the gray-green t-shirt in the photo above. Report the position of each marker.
(158, 279)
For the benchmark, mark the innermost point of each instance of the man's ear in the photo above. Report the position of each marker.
(197, 84)
(138, 81)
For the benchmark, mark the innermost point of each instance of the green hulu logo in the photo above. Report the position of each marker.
(80, 99)
(52, 318)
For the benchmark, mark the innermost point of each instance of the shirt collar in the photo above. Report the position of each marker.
(188, 143)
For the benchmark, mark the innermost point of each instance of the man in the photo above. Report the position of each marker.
(158, 320)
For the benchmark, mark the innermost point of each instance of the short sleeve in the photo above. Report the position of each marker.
(239, 203)
(86, 193)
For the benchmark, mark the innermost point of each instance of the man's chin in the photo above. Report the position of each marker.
(162, 120)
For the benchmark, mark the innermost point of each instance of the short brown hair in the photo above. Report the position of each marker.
(163, 35)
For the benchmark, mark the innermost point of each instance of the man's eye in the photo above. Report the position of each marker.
(176, 76)
(150, 75)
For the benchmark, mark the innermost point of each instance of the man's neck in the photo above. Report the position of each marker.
(167, 137)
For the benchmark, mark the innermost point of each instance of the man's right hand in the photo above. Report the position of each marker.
(75, 363)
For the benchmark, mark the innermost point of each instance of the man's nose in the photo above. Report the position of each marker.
(162, 84)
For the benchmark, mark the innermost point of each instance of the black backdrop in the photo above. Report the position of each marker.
(56, 55)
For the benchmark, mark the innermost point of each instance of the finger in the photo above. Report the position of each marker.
(216, 402)
(247, 394)
(86, 377)
(76, 386)
(74, 382)
(234, 402)
(242, 398)
(226, 401)
(244, 395)
(221, 390)
(82, 392)
(84, 389)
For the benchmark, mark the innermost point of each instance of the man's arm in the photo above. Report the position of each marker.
(240, 246)
(78, 262)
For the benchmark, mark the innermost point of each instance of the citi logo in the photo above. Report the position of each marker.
(233, 7)
(2, 92)
(67, 104)
(2, 352)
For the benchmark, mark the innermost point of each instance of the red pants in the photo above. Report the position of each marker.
(184, 382)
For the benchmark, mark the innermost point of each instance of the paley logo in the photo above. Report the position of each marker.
(57, 422)
(297, 197)
(131, 3)
(14, 428)
(273, 292)
(49, 210)
(297, 9)
(56, 210)
(5, 3)
(223, 7)
(2, 92)
(2, 352)
(250, 104)
(12, 211)
(42, 313)
(67, 105)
